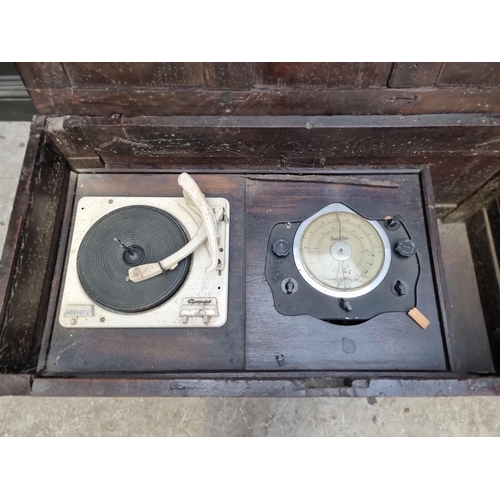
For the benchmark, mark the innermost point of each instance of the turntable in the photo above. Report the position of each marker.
(148, 262)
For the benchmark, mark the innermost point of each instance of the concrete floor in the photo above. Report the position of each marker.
(25, 416)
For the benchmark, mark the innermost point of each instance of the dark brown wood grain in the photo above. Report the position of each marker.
(247, 137)
(318, 88)
(223, 75)
(239, 123)
(487, 268)
(493, 212)
(58, 272)
(44, 75)
(436, 261)
(320, 74)
(73, 144)
(265, 101)
(72, 351)
(444, 209)
(387, 342)
(27, 291)
(453, 178)
(476, 74)
(480, 198)
(469, 339)
(410, 75)
(13, 239)
(239, 143)
(134, 75)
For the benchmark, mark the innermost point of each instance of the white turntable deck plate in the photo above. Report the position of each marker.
(202, 300)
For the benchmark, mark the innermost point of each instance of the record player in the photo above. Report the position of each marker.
(271, 146)
(167, 272)
(148, 262)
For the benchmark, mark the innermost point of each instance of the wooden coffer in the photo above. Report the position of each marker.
(279, 141)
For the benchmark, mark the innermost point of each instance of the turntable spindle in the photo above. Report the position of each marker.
(129, 250)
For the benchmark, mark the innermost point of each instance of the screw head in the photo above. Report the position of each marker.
(282, 247)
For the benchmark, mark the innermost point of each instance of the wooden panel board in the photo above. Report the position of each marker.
(470, 343)
(73, 144)
(224, 75)
(239, 143)
(292, 386)
(319, 74)
(346, 137)
(135, 75)
(487, 269)
(43, 75)
(477, 74)
(453, 178)
(156, 350)
(19, 212)
(265, 101)
(391, 341)
(493, 212)
(480, 198)
(409, 75)
(24, 317)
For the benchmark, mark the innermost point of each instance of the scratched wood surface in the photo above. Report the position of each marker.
(387, 342)
(144, 350)
(469, 338)
(293, 386)
(409, 75)
(484, 238)
(272, 88)
(470, 74)
(463, 157)
(250, 143)
(28, 259)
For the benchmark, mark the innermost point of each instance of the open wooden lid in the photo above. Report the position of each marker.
(224, 89)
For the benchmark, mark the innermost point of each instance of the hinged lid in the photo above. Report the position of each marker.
(169, 89)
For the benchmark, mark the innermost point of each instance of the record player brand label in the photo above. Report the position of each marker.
(87, 311)
(199, 301)
(199, 307)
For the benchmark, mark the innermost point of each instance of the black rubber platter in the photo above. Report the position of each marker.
(103, 263)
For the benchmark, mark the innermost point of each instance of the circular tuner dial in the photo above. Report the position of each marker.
(340, 253)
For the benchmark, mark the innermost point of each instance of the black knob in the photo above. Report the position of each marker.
(345, 304)
(400, 288)
(406, 247)
(393, 223)
(282, 247)
(289, 286)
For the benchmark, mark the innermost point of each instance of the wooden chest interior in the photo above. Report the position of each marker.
(280, 141)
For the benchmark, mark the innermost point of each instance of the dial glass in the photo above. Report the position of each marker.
(343, 253)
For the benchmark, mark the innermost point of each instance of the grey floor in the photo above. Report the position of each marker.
(25, 416)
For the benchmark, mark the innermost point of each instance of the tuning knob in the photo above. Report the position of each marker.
(282, 247)
(406, 247)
